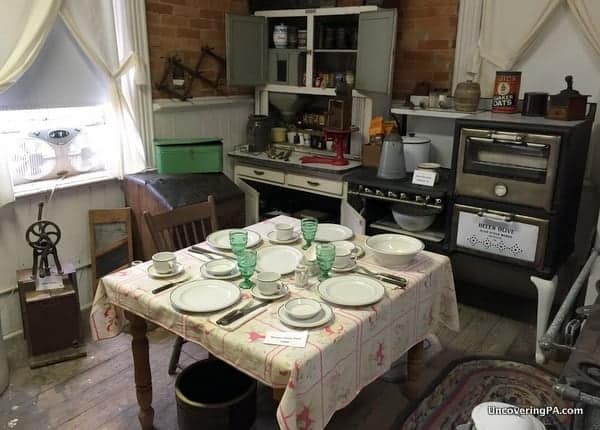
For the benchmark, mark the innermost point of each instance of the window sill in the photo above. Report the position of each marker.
(40, 187)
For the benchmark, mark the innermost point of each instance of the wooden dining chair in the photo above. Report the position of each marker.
(180, 228)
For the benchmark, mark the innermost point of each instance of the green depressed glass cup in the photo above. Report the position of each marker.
(247, 264)
(308, 226)
(325, 259)
(238, 239)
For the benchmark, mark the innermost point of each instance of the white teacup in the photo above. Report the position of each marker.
(164, 262)
(284, 231)
(343, 258)
(268, 283)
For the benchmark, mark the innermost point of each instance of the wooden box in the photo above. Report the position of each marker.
(161, 193)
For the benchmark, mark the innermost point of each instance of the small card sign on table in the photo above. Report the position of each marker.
(287, 338)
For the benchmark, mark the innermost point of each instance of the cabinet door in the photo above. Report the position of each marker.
(246, 43)
(351, 218)
(251, 201)
(376, 44)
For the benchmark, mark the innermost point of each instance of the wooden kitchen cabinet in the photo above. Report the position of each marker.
(371, 56)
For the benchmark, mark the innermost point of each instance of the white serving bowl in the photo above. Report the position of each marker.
(412, 222)
(220, 267)
(394, 249)
(302, 309)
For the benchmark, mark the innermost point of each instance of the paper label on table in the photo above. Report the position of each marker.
(424, 177)
(287, 338)
(506, 238)
(50, 282)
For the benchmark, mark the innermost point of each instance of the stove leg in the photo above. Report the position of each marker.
(546, 290)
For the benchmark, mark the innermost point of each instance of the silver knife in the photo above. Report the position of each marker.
(400, 284)
(199, 250)
(237, 314)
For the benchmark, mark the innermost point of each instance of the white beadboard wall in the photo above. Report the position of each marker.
(69, 209)
(224, 117)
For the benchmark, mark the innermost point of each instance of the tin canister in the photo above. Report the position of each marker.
(506, 92)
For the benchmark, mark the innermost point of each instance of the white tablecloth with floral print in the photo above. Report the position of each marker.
(339, 359)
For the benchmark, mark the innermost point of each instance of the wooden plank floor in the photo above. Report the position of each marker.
(97, 392)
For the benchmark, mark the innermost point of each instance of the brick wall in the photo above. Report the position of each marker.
(424, 47)
(184, 27)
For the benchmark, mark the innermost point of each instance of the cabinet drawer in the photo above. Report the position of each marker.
(261, 173)
(317, 184)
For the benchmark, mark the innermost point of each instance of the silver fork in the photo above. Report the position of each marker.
(385, 277)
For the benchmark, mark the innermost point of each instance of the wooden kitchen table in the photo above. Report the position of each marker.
(340, 358)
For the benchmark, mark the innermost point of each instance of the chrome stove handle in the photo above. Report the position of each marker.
(515, 137)
(505, 218)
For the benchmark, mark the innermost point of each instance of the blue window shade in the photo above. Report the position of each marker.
(61, 76)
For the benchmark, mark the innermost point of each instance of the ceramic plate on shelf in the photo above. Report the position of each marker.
(154, 274)
(272, 236)
(324, 316)
(234, 274)
(332, 232)
(278, 258)
(351, 290)
(220, 239)
(204, 295)
(349, 246)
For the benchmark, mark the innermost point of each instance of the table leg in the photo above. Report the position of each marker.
(141, 368)
(414, 367)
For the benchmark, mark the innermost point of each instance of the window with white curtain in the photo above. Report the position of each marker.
(75, 96)
(54, 118)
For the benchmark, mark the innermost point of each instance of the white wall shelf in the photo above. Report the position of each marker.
(431, 113)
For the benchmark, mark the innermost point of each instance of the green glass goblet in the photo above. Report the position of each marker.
(325, 259)
(247, 263)
(238, 239)
(309, 230)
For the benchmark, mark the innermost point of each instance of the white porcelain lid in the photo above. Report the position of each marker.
(414, 140)
(205, 295)
(351, 290)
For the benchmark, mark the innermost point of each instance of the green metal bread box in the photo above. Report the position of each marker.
(189, 155)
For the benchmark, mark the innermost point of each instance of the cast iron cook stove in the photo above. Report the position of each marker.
(372, 197)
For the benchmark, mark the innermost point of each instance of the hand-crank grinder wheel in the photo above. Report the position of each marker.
(42, 235)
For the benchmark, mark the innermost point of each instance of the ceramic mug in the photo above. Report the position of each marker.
(343, 258)
(164, 262)
(284, 231)
(269, 283)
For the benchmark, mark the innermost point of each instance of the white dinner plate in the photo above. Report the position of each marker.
(272, 236)
(332, 232)
(278, 258)
(351, 290)
(220, 239)
(324, 316)
(349, 246)
(204, 295)
(260, 296)
(154, 274)
(232, 275)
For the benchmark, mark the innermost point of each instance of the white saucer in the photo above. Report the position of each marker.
(258, 295)
(232, 275)
(154, 274)
(349, 268)
(272, 236)
(323, 317)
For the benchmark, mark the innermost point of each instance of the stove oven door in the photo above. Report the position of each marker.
(499, 235)
(507, 167)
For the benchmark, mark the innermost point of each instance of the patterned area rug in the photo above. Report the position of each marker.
(465, 384)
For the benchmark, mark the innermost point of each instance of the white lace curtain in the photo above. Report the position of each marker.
(103, 31)
(506, 29)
